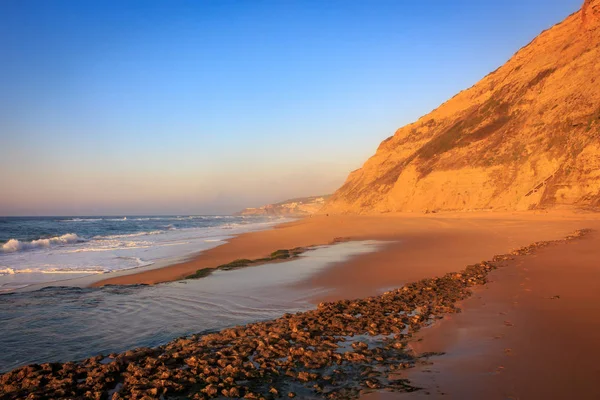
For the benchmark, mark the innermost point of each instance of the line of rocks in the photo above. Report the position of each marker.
(334, 352)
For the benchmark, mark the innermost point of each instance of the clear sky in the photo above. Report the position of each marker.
(171, 107)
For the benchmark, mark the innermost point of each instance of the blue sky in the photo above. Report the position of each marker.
(135, 107)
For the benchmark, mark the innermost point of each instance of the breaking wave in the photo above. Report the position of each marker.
(14, 245)
(88, 270)
(81, 220)
(128, 235)
(7, 271)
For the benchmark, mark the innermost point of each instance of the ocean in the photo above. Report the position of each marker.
(60, 323)
(46, 250)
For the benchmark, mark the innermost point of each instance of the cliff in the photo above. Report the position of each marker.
(294, 207)
(526, 136)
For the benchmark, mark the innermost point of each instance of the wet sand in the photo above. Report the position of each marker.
(531, 333)
(423, 246)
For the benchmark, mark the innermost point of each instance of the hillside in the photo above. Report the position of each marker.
(294, 207)
(526, 136)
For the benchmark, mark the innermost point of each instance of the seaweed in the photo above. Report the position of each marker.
(201, 273)
(282, 254)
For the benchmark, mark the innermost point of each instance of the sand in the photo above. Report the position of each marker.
(420, 246)
(531, 333)
(513, 340)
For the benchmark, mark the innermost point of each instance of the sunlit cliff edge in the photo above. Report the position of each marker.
(527, 136)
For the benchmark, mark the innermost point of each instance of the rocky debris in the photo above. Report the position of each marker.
(336, 351)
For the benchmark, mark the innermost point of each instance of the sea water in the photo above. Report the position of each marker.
(39, 250)
(71, 323)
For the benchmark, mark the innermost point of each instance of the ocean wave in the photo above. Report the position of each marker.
(139, 261)
(127, 235)
(14, 245)
(81, 220)
(89, 270)
(7, 271)
(112, 245)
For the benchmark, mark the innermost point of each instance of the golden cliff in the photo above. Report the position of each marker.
(526, 136)
(301, 206)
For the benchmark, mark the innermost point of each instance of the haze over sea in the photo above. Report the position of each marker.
(37, 250)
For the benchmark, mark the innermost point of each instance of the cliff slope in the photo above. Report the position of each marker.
(526, 136)
(294, 207)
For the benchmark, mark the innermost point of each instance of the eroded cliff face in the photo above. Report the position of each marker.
(526, 136)
(590, 14)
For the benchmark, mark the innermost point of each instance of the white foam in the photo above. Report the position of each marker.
(7, 271)
(128, 235)
(59, 271)
(16, 245)
(81, 220)
(102, 254)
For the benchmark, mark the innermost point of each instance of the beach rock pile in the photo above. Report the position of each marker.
(336, 351)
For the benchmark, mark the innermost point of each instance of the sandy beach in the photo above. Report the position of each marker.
(498, 347)
(530, 333)
(421, 245)
(352, 348)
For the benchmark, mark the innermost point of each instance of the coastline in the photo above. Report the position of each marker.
(413, 248)
(47, 325)
(155, 249)
(457, 238)
(342, 349)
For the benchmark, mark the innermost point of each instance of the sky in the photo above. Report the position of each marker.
(206, 107)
